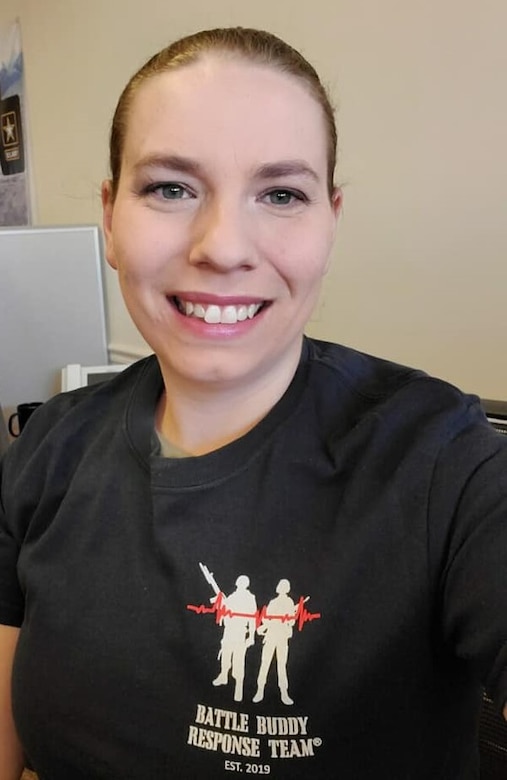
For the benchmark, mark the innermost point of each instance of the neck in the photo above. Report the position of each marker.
(200, 419)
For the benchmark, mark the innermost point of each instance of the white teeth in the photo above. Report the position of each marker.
(229, 315)
(214, 314)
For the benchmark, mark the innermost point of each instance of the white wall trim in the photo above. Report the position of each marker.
(125, 353)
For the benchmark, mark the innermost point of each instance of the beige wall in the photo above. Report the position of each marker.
(420, 270)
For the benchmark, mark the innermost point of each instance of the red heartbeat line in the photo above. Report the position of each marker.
(219, 609)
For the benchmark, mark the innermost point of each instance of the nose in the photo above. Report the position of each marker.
(222, 237)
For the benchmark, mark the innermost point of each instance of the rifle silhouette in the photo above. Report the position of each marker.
(208, 576)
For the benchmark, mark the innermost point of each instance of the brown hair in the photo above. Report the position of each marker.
(256, 45)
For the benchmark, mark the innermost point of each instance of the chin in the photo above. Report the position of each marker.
(205, 371)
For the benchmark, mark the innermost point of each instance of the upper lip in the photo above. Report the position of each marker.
(217, 300)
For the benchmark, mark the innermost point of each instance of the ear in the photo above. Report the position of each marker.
(107, 219)
(337, 202)
(336, 208)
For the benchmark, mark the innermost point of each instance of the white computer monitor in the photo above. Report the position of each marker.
(52, 309)
(74, 375)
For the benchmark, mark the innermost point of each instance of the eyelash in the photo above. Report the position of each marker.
(294, 195)
(157, 188)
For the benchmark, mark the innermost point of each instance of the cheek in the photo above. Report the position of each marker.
(146, 243)
(304, 258)
(318, 249)
(138, 255)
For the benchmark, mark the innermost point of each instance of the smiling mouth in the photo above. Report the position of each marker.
(213, 314)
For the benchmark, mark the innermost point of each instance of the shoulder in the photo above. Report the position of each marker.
(69, 423)
(88, 401)
(356, 389)
(368, 376)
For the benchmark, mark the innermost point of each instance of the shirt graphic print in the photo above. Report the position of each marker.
(243, 623)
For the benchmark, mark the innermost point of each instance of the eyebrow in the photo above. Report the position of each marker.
(173, 162)
(284, 168)
(275, 170)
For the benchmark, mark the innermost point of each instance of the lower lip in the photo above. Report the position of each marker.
(219, 330)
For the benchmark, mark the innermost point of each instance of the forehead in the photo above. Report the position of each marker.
(224, 108)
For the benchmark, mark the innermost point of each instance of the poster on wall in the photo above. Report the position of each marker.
(14, 183)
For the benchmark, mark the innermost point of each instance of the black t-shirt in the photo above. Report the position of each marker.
(321, 598)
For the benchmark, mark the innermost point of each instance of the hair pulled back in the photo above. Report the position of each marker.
(256, 46)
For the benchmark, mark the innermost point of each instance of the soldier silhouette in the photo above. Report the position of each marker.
(238, 636)
(276, 629)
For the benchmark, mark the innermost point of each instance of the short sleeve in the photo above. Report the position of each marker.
(468, 533)
(11, 597)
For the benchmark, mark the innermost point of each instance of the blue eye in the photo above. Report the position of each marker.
(168, 191)
(282, 197)
(172, 191)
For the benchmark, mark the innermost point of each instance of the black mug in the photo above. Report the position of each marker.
(24, 411)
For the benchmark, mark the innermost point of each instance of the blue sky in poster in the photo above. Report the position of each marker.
(14, 191)
(10, 76)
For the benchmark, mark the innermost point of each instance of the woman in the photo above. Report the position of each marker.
(253, 553)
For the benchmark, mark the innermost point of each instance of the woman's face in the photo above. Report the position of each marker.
(222, 224)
